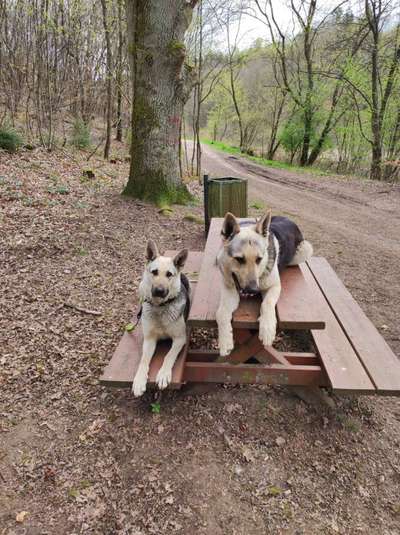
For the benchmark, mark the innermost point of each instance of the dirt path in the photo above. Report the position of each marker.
(76, 458)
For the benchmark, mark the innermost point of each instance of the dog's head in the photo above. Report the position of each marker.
(162, 274)
(245, 252)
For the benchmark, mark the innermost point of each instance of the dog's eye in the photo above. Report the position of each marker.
(258, 259)
(240, 259)
(154, 272)
(169, 274)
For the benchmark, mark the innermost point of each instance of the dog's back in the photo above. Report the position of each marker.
(186, 288)
(289, 237)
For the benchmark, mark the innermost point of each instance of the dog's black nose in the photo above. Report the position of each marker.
(159, 291)
(251, 288)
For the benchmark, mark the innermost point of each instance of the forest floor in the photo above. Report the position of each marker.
(79, 458)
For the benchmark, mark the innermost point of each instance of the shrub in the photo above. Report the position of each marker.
(80, 134)
(10, 140)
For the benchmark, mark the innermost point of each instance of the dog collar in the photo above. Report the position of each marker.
(163, 303)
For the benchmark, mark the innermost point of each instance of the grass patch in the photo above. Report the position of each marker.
(193, 218)
(257, 205)
(263, 161)
(10, 140)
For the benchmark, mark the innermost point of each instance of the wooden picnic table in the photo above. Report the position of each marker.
(349, 353)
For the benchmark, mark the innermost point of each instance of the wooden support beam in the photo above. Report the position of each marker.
(276, 374)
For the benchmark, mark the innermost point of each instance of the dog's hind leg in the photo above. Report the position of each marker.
(140, 380)
(227, 306)
(303, 253)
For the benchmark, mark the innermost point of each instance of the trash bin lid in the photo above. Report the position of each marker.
(227, 179)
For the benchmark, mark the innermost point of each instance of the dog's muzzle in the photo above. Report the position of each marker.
(159, 291)
(250, 290)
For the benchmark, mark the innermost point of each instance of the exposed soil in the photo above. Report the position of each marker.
(78, 458)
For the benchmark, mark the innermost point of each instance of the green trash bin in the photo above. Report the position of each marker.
(221, 195)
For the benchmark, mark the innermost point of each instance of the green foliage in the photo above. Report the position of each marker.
(10, 140)
(292, 136)
(263, 161)
(80, 138)
(155, 408)
(257, 205)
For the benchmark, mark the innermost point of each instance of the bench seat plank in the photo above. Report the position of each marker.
(341, 363)
(295, 308)
(123, 366)
(379, 361)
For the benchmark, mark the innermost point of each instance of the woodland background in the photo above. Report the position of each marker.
(322, 88)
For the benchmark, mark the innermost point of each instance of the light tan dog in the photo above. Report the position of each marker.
(250, 261)
(165, 296)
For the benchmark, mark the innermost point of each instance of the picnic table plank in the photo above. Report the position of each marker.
(277, 374)
(295, 308)
(123, 366)
(379, 361)
(341, 363)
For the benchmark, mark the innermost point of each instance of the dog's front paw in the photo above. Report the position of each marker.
(139, 385)
(164, 377)
(225, 344)
(267, 332)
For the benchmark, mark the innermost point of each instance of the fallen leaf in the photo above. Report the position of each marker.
(274, 491)
(20, 517)
(73, 493)
(248, 455)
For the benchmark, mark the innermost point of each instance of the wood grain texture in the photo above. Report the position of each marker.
(254, 374)
(229, 195)
(341, 363)
(379, 361)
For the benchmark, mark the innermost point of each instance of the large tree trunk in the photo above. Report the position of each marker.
(161, 85)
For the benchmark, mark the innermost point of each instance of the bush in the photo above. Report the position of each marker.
(80, 134)
(10, 140)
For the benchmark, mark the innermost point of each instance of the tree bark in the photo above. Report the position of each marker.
(108, 78)
(161, 85)
(118, 135)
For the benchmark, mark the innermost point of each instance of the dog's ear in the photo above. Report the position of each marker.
(180, 259)
(151, 251)
(262, 225)
(230, 226)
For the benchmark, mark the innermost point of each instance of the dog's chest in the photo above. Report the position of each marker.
(161, 317)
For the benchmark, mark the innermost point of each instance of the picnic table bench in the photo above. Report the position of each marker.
(350, 355)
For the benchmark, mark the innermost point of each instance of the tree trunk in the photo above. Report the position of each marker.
(236, 106)
(118, 135)
(308, 116)
(375, 173)
(161, 85)
(108, 78)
